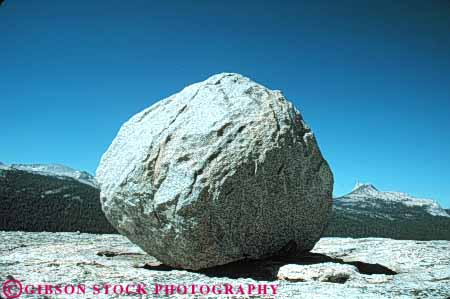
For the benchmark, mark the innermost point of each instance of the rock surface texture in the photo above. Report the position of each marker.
(225, 169)
(423, 268)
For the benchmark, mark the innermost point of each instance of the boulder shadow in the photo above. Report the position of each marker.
(266, 269)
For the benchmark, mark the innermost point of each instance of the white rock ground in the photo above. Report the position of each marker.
(71, 258)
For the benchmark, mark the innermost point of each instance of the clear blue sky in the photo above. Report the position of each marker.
(372, 78)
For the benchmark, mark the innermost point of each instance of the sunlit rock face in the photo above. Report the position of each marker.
(225, 169)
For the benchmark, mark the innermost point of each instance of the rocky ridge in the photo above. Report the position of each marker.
(368, 212)
(367, 194)
(55, 170)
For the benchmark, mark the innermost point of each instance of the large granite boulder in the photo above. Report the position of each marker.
(224, 170)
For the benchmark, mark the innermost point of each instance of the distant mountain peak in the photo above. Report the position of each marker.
(364, 187)
(363, 194)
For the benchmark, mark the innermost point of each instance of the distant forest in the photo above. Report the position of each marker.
(33, 202)
(407, 223)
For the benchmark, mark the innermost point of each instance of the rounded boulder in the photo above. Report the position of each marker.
(223, 170)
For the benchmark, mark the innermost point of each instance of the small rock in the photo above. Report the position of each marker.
(326, 272)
